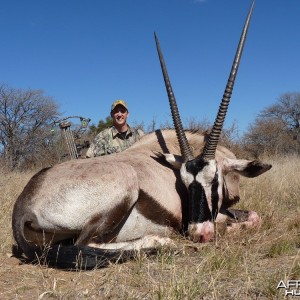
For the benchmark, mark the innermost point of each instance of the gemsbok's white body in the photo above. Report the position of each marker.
(83, 213)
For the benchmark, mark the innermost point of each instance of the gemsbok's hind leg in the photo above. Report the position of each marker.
(113, 208)
(104, 227)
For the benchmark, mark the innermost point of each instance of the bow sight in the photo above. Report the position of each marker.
(72, 138)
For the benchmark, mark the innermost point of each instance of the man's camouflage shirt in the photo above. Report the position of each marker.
(111, 141)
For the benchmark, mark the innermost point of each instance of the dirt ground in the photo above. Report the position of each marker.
(186, 273)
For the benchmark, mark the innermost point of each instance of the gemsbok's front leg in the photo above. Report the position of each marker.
(236, 219)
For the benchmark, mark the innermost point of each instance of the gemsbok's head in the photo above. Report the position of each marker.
(203, 175)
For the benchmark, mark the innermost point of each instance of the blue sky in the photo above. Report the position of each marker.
(85, 54)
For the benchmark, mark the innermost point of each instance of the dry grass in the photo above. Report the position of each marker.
(243, 265)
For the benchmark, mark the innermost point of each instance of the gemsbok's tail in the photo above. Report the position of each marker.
(84, 258)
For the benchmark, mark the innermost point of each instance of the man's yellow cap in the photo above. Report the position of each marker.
(119, 102)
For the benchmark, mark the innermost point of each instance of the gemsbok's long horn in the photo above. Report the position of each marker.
(185, 148)
(211, 145)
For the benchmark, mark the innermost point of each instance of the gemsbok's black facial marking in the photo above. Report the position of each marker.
(196, 165)
(215, 196)
(199, 210)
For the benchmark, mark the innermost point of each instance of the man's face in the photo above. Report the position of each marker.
(119, 115)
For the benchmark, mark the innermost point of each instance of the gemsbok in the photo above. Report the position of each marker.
(85, 213)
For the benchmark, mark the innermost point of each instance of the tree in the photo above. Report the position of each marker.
(276, 130)
(101, 125)
(287, 112)
(26, 117)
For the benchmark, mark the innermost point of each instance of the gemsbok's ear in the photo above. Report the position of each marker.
(174, 160)
(245, 167)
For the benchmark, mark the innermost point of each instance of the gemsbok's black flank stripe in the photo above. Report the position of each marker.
(152, 210)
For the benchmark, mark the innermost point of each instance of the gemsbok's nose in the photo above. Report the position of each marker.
(201, 232)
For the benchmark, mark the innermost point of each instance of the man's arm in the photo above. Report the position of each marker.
(90, 151)
(99, 144)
